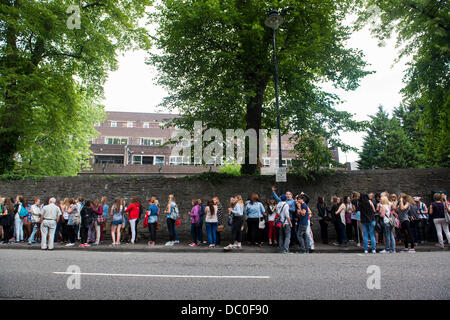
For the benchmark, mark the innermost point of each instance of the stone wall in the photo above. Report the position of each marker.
(417, 182)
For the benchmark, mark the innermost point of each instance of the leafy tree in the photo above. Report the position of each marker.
(387, 144)
(422, 27)
(51, 77)
(215, 59)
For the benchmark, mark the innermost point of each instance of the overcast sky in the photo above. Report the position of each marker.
(132, 87)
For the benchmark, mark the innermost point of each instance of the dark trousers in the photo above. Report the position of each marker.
(423, 232)
(236, 226)
(415, 230)
(64, 233)
(253, 230)
(356, 230)
(407, 236)
(84, 234)
(337, 228)
(218, 237)
(70, 233)
(302, 239)
(152, 230)
(349, 231)
(200, 233)
(343, 233)
(195, 232)
(58, 228)
(171, 229)
(7, 233)
(323, 231)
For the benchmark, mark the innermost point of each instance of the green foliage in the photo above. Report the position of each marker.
(422, 27)
(51, 79)
(387, 144)
(215, 60)
(231, 168)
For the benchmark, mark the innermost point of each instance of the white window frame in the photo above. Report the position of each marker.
(151, 138)
(119, 144)
(159, 156)
(130, 124)
(132, 159)
(146, 125)
(266, 162)
(113, 124)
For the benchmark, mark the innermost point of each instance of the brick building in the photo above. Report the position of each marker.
(133, 143)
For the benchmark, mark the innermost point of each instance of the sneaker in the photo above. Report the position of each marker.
(412, 250)
(336, 243)
(70, 244)
(87, 245)
(366, 251)
(373, 251)
(192, 244)
(383, 251)
(229, 247)
(358, 244)
(81, 246)
(168, 243)
(176, 242)
(405, 250)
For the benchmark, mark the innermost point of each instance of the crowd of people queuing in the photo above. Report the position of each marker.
(284, 220)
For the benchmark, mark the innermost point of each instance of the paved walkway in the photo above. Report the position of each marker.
(184, 247)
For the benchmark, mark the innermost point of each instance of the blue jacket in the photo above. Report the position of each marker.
(290, 202)
(254, 210)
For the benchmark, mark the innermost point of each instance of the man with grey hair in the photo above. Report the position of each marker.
(49, 218)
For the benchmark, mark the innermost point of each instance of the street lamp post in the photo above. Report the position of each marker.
(273, 21)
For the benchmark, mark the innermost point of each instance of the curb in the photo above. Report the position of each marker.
(183, 248)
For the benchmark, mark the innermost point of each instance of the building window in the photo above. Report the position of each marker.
(159, 161)
(129, 124)
(146, 125)
(154, 142)
(147, 160)
(102, 159)
(114, 124)
(266, 162)
(287, 162)
(137, 159)
(178, 160)
(112, 140)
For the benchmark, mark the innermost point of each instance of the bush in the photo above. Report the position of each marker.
(233, 169)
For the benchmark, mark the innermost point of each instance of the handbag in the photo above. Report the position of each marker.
(262, 223)
(158, 226)
(145, 223)
(178, 222)
(220, 228)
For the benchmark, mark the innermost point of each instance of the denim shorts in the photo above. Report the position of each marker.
(117, 222)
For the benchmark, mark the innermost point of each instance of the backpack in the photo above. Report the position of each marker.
(174, 213)
(23, 211)
(278, 223)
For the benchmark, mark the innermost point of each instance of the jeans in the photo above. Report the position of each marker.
(407, 234)
(423, 232)
(58, 226)
(48, 227)
(369, 229)
(236, 226)
(343, 232)
(211, 229)
(309, 238)
(389, 237)
(175, 231)
(302, 231)
(133, 230)
(323, 231)
(36, 227)
(152, 230)
(171, 229)
(200, 235)
(195, 232)
(70, 233)
(285, 238)
(18, 229)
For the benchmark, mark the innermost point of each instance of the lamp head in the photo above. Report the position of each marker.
(274, 20)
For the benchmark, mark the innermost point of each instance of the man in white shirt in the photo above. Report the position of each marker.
(49, 218)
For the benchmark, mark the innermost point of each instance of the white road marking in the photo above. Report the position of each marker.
(162, 275)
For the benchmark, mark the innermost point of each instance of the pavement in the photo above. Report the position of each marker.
(184, 247)
(96, 275)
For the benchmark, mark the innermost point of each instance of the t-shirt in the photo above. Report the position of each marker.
(211, 217)
(238, 210)
(367, 214)
(153, 217)
(438, 210)
(51, 212)
(273, 212)
(303, 220)
(283, 211)
(105, 210)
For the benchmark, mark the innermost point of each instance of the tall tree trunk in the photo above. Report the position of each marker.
(253, 119)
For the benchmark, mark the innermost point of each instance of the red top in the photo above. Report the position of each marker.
(134, 211)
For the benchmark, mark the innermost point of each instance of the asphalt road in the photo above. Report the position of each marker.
(30, 274)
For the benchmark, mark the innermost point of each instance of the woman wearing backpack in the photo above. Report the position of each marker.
(172, 216)
(211, 222)
(19, 210)
(220, 224)
(133, 215)
(87, 217)
(385, 215)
